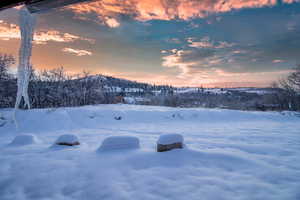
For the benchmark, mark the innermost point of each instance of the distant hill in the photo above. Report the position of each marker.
(113, 84)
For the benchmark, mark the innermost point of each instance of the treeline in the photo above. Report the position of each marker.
(276, 101)
(55, 88)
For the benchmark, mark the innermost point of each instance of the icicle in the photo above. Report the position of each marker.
(27, 24)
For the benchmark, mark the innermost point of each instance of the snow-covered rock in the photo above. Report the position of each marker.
(119, 143)
(68, 140)
(22, 140)
(168, 142)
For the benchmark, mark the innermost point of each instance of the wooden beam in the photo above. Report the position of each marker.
(10, 3)
(36, 6)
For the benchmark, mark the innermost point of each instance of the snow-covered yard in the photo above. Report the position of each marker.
(228, 155)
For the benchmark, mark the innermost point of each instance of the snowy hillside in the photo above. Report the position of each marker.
(113, 84)
(228, 155)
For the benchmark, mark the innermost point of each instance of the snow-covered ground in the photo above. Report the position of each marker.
(228, 155)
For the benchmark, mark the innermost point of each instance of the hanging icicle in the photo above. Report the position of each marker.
(27, 24)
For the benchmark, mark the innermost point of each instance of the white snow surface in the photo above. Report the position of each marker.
(170, 139)
(230, 155)
(119, 143)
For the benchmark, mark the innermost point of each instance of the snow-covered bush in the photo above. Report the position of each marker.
(119, 143)
(168, 142)
(24, 139)
(68, 140)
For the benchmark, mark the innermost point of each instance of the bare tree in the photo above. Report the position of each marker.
(291, 86)
(293, 79)
(5, 62)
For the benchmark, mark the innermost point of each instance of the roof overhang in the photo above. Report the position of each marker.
(36, 6)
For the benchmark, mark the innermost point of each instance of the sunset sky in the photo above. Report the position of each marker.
(211, 43)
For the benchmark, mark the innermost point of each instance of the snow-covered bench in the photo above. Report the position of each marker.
(167, 142)
(119, 143)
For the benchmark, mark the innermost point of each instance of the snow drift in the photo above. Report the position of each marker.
(231, 155)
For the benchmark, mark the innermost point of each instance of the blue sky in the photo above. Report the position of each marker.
(186, 43)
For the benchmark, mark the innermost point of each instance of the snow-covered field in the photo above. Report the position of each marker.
(228, 155)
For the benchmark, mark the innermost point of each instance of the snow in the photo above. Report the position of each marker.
(230, 155)
(25, 139)
(204, 90)
(170, 139)
(119, 143)
(134, 90)
(67, 138)
(259, 91)
(135, 100)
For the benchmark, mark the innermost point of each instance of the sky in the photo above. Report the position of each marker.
(210, 43)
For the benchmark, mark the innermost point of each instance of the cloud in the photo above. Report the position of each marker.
(112, 22)
(205, 42)
(188, 60)
(144, 10)
(205, 58)
(12, 31)
(277, 61)
(291, 1)
(173, 40)
(77, 52)
(9, 31)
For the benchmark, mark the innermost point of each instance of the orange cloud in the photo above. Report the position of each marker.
(144, 10)
(43, 37)
(77, 52)
(9, 31)
(12, 31)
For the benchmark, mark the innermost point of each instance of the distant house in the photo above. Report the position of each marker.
(120, 97)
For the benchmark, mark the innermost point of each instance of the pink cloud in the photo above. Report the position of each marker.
(144, 10)
(277, 61)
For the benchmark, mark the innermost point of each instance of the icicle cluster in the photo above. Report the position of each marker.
(27, 24)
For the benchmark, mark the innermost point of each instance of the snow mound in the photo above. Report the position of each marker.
(119, 143)
(22, 140)
(68, 140)
(166, 139)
